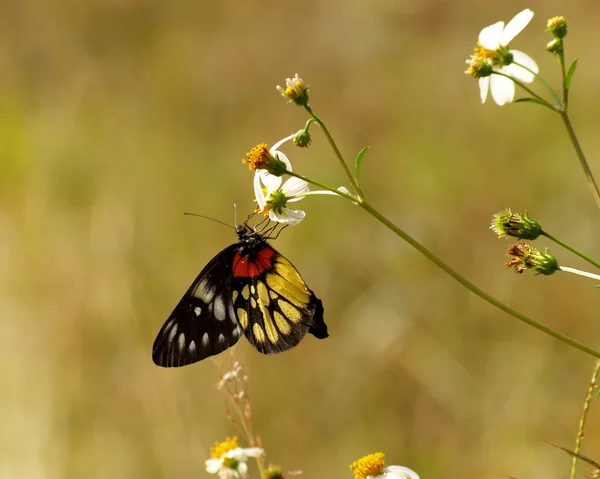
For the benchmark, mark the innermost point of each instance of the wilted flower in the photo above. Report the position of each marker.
(229, 461)
(372, 467)
(492, 56)
(528, 257)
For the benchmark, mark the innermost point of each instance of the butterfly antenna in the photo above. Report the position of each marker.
(209, 218)
(235, 215)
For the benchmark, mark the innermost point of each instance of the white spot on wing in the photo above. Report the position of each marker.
(204, 291)
(236, 331)
(221, 338)
(181, 341)
(172, 333)
(205, 339)
(192, 347)
(197, 310)
(232, 314)
(219, 308)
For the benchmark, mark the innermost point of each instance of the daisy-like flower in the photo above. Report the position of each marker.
(295, 91)
(372, 467)
(228, 460)
(492, 55)
(272, 198)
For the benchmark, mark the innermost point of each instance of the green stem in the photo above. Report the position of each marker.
(584, 413)
(584, 164)
(471, 287)
(447, 269)
(541, 80)
(561, 59)
(336, 150)
(571, 249)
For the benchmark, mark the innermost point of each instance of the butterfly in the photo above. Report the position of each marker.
(247, 289)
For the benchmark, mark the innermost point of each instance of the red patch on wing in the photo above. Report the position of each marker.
(242, 266)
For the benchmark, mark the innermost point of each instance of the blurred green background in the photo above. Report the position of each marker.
(119, 115)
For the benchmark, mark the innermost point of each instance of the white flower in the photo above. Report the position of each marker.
(372, 467)
(232, 464)
(493, 44)
(276, 197)
(396, 472)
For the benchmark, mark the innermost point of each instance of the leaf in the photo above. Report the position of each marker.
(358, 162)
(569, 76)
(530, 100)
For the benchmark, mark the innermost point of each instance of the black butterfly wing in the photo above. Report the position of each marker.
(273, 305)
(203, 323)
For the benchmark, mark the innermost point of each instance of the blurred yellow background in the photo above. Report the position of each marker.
(119, 115)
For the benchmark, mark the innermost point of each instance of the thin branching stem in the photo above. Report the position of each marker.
(584, 413)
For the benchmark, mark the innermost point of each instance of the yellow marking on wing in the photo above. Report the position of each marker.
(283, 260)
(281, 323)
(272, 333)
(300, 297)
(289, 311)
(291, 274)
(243, 317)
(259, 334)
(252, 290)
(263, 293)
(253, 302)
(273, 294)
(234, 295)
(245, 292)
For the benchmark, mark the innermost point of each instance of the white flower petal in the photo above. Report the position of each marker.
(516, 26)
(399, 472)
(254, 451)
(287, 216)
(261, 200)
(295, 186)
(490, 36)
(287, 138)
(243, 470)
(502, 88)
(484, 87)
(516, 71)
(270, 181)
(213, 465)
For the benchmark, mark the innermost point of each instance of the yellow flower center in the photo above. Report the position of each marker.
(482, 52)
(370, 465)
(224, 447)
(258, 157)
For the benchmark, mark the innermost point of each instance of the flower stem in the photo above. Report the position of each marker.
(336, 150)
(566, 269)
(542, 101)
(586, 407)
(471, 287)
(584, 164)
(541, 80)
(571, 249)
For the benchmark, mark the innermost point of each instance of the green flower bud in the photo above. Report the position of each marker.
(555, 46)
(274, 472)
(519, 225)
(558, 26)
(302, 138)
(528, 257)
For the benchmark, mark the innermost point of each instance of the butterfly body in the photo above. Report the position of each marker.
(247, 289)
